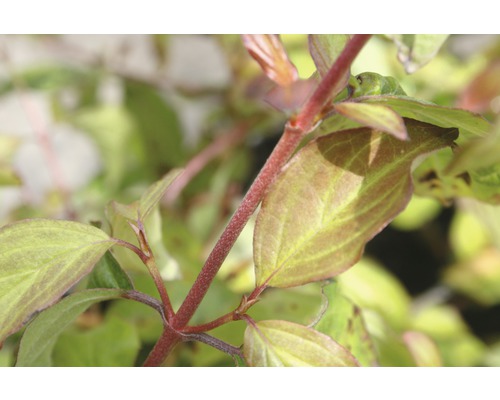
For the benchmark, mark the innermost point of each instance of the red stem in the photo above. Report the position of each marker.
(294, 132)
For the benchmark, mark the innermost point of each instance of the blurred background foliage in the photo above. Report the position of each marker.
(87, 119)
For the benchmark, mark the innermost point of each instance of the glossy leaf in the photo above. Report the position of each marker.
(286, 344)
(42, 333)
(39, 261)
(414, 51)
(423, 349)
(114, 343)
(333, 196)
(374, 116)
(343, 321)
(108, 273)
(269, 52)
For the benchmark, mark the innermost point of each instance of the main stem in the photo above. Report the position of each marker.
(294, 132)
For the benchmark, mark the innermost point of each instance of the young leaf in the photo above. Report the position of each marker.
(39, 261)
(42, 333)
(108, 274)
(286, 344)
(375, 116)
(336, 194)
(414, 51)
(269, 52)
(343, 322)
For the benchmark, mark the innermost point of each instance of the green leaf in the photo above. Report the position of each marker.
(147, 209)
(108, 274)
(343, 322)
(423, 349)
(434, 176)
(286, 344)
(39, 261)
(42, 333)
(414, 51)
(8, 176)
(374, 116)
(470, 125)
(115, 343)
(371, 287)
(336, 194)
(269, 52)
(157, 125)
(325, 50)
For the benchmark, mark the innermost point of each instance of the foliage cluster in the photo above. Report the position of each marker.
(133, 154)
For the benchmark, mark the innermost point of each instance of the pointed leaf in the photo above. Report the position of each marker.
(39, 261)
(269, 52)
(109, 274)
(414, 51)
(343, 322)
(375, 116)
(286, 344)
(336, 194)
(42, 333)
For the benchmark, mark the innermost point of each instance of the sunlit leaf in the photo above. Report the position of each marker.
(39, 261)
(286, 344)
(373, 84)
(374, 116)
(269, 52)
(333, 196)
(433, 177)
(42, 333)
(372, 287)
(343, 321)
(423, 349)
(414, 51)
(115, 343)
(108, 273)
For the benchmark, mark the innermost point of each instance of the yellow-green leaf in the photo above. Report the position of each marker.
(40, 260)
(336, 194)
(286, 344)
(42, 333)
(374, 116)
(423, 349)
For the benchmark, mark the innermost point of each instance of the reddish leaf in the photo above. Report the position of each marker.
(269, 52)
